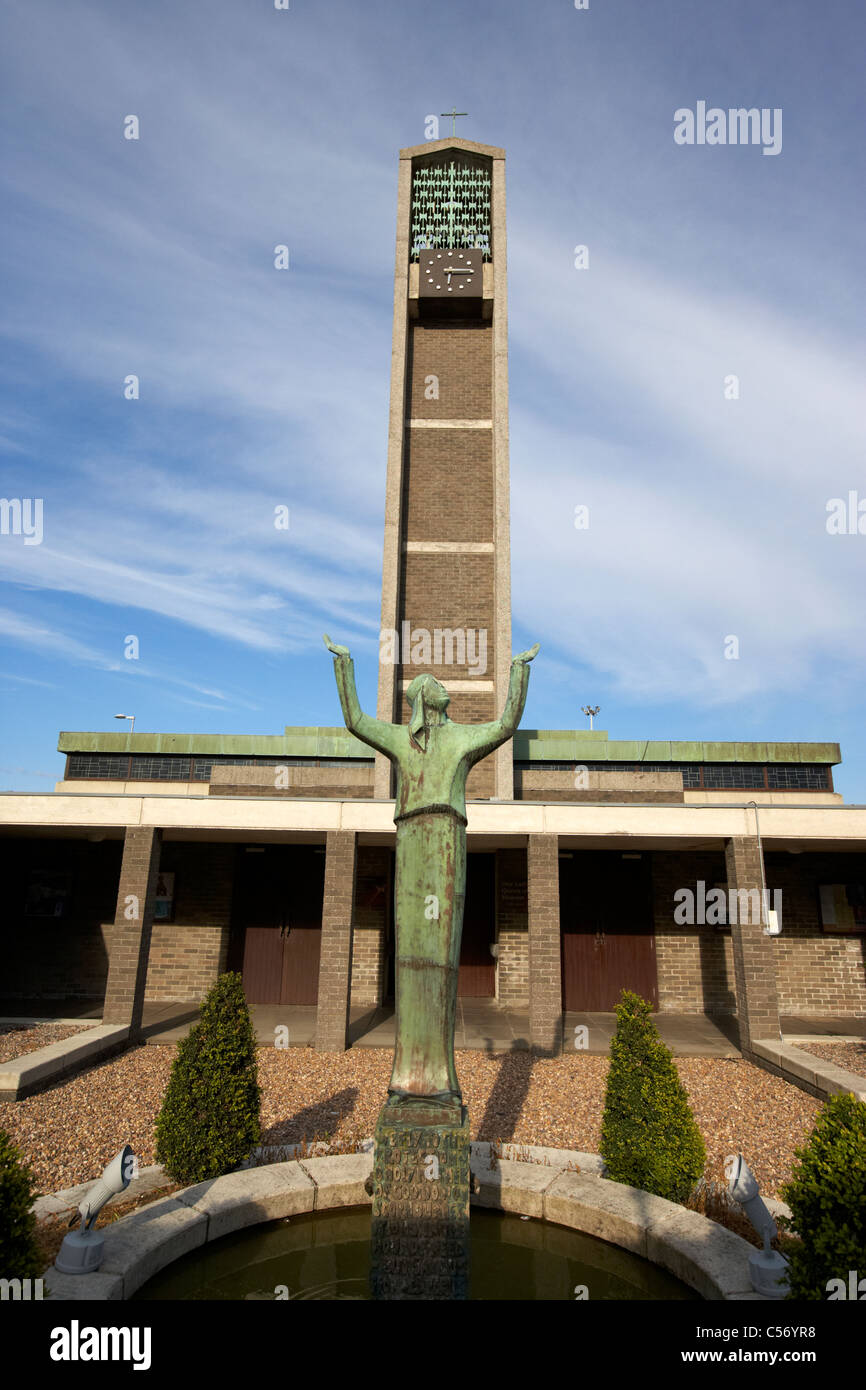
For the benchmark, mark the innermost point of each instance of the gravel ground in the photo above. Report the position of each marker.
(16, 1041)
(851, 1056)
(68, 1134)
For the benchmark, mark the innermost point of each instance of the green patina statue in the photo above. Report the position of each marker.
(433, 756)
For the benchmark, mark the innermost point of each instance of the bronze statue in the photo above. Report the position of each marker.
(433, 756)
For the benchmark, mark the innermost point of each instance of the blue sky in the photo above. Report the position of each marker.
(708, 516)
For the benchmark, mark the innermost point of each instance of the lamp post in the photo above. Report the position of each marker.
(128, 716)
(590, 710)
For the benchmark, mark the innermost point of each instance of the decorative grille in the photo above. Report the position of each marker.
(451, 209)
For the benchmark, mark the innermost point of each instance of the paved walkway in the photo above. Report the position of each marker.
(482, 1024)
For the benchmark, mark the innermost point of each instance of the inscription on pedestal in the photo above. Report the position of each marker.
(420, 1234)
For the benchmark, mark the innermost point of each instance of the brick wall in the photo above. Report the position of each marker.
(545, 962)
(347, 783)
(332, 1014)
(373, 888)
(448, 484)
(694, 963)
(461, 356)
(448, 496)
(69, 956)
(188, 954)
(448, 591)
(129, 947)
(753, 950)
(818, 973)
(63, 957)
(548, 784)
(512, 922)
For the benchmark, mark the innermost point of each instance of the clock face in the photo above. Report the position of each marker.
(450, 274)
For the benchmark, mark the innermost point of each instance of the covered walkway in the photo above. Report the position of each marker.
(482, 1024)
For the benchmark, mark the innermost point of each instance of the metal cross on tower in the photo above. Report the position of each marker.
(454, 114)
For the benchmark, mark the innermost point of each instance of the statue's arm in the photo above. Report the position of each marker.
(490, 736)
(375, 732)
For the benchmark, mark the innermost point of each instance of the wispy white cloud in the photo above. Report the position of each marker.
(716, 526)
(27, 680)
(261, 387)
(49, 641)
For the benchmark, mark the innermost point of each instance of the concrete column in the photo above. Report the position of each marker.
(133, 924)
(754, 958)
(335, 970)
(545, 968)
(504, 755)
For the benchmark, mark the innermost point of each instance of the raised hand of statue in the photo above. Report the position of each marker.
(527, 655)
(332, 647)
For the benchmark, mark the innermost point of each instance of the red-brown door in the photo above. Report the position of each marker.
(477, 978)
(281, 889)
(608, 941)
(263, 965)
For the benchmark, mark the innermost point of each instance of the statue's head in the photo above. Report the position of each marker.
(429, 701)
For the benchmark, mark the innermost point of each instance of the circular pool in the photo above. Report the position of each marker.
(327, 1256)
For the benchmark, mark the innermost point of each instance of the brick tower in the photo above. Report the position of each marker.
(446, 580)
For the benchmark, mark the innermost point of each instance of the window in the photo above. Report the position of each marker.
(727, 776)
(97, 765)
(794, 776)
(158, 768)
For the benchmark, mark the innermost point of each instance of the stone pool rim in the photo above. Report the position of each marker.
(701, 1253)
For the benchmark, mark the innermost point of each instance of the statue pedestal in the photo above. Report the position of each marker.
(420, 1235)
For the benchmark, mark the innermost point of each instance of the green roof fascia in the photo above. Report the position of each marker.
(545, 734)
(294, 743)
(324, 742)
(560, 745)
(530, 745)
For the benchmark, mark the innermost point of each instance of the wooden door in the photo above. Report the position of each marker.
(262, 913)
(477, 977)
(608, 941)
(263, 965)
(281, 891)
(303, 897)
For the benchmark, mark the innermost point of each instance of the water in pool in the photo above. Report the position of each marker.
(327, 1256)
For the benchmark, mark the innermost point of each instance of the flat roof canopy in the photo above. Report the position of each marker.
(243, 819)
(530, 745)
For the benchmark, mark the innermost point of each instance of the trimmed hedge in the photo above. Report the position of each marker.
(649, 1138)
(19, 1251)
(209, 1120)
(827, 1197)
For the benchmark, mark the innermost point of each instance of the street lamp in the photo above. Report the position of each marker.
(590, 710)
(128, 716)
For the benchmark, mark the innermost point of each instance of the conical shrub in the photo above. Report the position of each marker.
(209, 1120)
(827, 1197)
(19, 1251)
(649, 1138)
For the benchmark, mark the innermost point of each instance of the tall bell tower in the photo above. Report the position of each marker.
(446, 580)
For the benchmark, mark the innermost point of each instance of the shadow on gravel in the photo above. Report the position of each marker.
(506, 1099)
(318, 1121)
